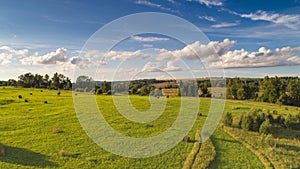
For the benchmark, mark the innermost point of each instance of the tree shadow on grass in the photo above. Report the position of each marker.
(280, 132)
(21, 156)
(289, 147)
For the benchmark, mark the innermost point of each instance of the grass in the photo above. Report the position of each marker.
(231, 153)
(34, 133)
(205, 156)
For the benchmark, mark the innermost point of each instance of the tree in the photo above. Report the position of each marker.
(228, 119)
(265, 127)
(241, 95)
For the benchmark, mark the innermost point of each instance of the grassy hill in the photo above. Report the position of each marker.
(36, 134)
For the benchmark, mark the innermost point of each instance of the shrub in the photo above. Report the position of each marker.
(2, 150)
(30, 93)
(279, 120)
(228, 119)
(58, 93)
(20, 96)
(292, 122)
(99, 91)
(26, 100)
(247, 122)
(265, 127)
(46, 102)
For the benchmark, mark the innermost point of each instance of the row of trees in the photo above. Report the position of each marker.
(284, 90)
(28, 80)
(259, 121)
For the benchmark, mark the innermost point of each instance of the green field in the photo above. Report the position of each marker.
(39, 135)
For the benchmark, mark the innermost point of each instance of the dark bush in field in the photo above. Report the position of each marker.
(46, 102)
(265, 127)
(253, 120)
(26, 100)
(58, 93)
(2, 150)
(292, 122)
(228, 119)
(30, 93)
(20, 96)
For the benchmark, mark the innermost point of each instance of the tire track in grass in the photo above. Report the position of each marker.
(205, 156)
(262, 157)
(192, 155)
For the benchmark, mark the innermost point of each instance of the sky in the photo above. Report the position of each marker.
(237, 38)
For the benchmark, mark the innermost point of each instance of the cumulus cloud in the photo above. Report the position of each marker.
(148, 39)
(125, 55)
(261, 58)
(152, 67)
(225, 24)
(162, 67)
(290, 21)
(50, 58)
(195, 50)
(7, 54)
(218, 55)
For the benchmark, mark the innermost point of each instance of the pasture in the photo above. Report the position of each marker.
(44, 132)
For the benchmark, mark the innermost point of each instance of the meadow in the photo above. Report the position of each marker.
(39, 134)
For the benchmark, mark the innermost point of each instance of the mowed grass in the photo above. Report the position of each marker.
(29, 132)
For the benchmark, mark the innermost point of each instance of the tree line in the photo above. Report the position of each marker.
(280, 90)
(29, 80)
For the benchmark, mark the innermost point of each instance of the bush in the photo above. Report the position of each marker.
(292, 122)
(2, 150)
(20, 96)
(26, 100)
(247, 122)
(265, 127)
(279, 120)
(252, 120)
(58, 93)
(228, 119)
(99, 91)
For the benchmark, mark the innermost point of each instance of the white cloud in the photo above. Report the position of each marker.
(7, 54)
(218, 55)
(208, 18)
(125, 55)
(50, 58)
(148, 39)
(225, 24)
(152, 67)
(209, 3)
(147, 3)
(290, 21)
(197, 50)
(155, 5)
(172, 1)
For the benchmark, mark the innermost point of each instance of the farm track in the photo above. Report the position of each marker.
(188, 164)
(262, 157)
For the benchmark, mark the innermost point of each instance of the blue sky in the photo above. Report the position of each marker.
(51, 33)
